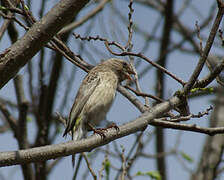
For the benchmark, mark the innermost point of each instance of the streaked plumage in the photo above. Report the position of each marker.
(95, 96)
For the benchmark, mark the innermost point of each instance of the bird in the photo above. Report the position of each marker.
(95, 97)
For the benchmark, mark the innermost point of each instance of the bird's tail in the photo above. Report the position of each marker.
(77, 134)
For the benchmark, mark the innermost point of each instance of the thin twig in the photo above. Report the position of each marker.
(129, 44)
(124, 171)
(107, 44)
(214, 74)
(199, 37)
(186, 118)
(84, 19)
(144, 94)
(206, 51)
(89, 166)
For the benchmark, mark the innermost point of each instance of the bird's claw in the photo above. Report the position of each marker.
(100, 132)
(113, 125)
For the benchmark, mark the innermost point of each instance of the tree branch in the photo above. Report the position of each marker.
(38, 35)
(64, 149)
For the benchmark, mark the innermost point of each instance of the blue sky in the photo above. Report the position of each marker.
(122, 111)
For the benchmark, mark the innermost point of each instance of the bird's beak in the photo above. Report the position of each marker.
(129, 72)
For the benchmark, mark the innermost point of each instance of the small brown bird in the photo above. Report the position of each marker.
(95, 96)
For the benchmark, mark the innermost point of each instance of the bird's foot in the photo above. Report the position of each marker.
(113, 125)
(100, 132)
(97, 131)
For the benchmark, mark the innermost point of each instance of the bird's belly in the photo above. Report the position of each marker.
(99, 103)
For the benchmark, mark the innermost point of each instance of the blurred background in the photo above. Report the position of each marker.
(165, 31)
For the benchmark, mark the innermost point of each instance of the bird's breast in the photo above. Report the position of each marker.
(101, 100)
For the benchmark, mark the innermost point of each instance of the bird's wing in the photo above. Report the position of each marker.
(86, 89)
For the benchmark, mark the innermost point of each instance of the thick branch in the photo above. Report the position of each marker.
(160, 85)
(64, 149)
(212, 152)
(39, 34)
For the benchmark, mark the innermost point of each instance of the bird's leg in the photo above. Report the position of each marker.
(113, 125)
(97, 131)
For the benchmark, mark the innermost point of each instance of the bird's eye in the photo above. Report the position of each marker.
(125, 64)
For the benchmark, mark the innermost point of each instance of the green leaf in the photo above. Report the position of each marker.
(154, 175)
(139, 173)
(211, 89)
(28, 119)
(107, 167)
(194, 90)
(26, 7)
(207, 89)
(3, 8)
(187, 157)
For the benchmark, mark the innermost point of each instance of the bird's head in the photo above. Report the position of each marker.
(122, 68)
